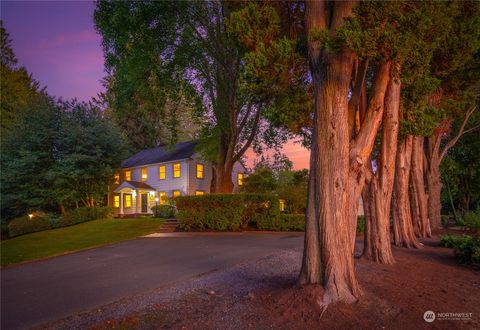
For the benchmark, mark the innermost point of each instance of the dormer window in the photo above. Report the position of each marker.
(128, 175)
(144, 174)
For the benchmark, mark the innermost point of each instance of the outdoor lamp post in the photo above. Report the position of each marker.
(156, 201)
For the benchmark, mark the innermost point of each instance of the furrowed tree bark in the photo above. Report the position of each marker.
(331, 72)
(377, 245)
(418, 193)
(361, 147)
(403, 234)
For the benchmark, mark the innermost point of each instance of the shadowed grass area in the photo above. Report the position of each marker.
(85, 235)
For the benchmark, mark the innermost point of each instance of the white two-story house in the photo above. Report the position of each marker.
(149, 177)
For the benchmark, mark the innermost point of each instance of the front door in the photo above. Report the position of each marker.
(144, 203)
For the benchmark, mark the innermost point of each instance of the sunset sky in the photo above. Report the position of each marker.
(57, 42)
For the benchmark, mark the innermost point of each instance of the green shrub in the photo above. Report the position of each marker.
(163, 211)
(361, 224)
(471, 220)
(84, 214)
(24, 225)
(466, 248)
(292, 222)
(262, 211)
(210, 212)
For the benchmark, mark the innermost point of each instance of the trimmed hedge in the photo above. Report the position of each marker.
(41, 221)
(163, 211)
(210, 212)
(228, 212)
(293, 222)
(84, 214)
(25, 225)
(262, 211)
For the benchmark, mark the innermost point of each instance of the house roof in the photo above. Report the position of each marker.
(161, 154)
(134, 185)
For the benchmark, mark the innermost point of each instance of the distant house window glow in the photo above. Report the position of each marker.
(163, 197)
(144, 174)
(200, 171)
(117, 178)
(128, 175)
(240, 179)
(162, 172)
(128, 201)
(282, 205)
(116, 201)
(177, 193)
(176, 170)
(199, 193)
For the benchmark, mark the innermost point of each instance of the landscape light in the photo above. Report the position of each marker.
(30, 216)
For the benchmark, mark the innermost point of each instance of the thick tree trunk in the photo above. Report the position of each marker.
(224, 167)
(379, 192)
(419, 196)
(361, 147)
(403, 234)
(331, 72)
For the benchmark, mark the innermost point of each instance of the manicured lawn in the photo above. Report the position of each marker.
(89, 234)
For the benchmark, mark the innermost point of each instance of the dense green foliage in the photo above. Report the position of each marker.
(290, 186)
(82, 236)
(229, 212)
(163, 211)
(466, 248)
(44, 221)
(292, 222)
(210, 212)
(59, 155)
(460, 174)
(25, 225)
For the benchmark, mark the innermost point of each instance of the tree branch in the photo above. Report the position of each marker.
(460, 132)
(250, 138)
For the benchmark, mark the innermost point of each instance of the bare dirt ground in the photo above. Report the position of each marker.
(263, 295)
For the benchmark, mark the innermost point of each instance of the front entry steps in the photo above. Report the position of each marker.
(169, 226)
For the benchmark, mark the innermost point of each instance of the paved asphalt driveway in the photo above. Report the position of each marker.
(34, 293)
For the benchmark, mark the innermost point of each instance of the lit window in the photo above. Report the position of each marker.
(177, 193)
(128, 201)
(176, 170)
(240, 179)
(117, 178)
(199, 193)
(116, 201)
(162, 172)
(144, 174)
(163, 197)
(128, 175)
(282, 205)
(200, 171)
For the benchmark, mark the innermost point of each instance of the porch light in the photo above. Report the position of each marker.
(30, 216)
(134, 193)
(152, 193)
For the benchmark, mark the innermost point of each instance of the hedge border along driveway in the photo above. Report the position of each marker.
(86, 235)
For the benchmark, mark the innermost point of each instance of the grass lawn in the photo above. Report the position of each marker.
(85, 235)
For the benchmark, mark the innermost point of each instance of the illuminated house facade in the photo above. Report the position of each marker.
(151, 176)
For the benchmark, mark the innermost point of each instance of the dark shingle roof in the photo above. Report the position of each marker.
(161, 154)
